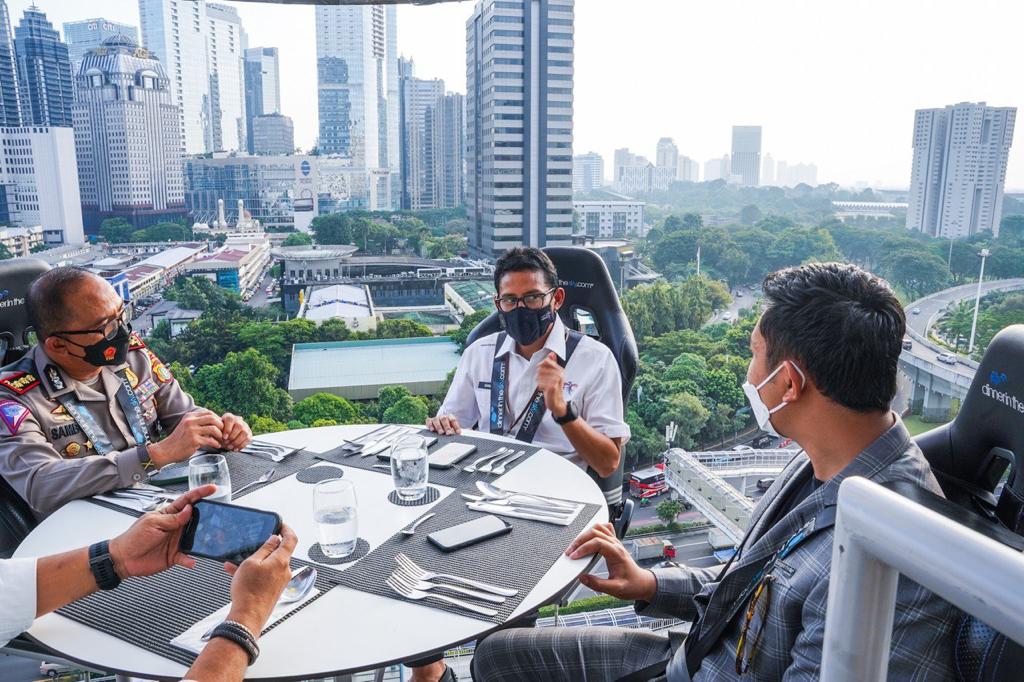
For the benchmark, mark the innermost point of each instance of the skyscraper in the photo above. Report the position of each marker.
(44, 71)
(358, 93)
(746, 154)
(87, 34)
(519, 105)
(959, 169)
(10, 108)
(128, 149)
(419, 99)
(668, 155)
(689, 170)
(450, 133)
(262, 85)
(226, 40)
(587, 172)
(718, 169)
(273, 134)
(768, 170)
(176, 31)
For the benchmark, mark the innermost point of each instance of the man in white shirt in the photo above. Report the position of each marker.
(32, 587)
(535, 381)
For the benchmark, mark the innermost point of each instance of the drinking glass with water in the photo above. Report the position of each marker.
(210, 469)
(336, 515)
(409, 468)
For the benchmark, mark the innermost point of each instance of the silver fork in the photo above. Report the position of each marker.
(410, 592)
(500, 452)
(500, 469)
(426, 586)
(421, 574)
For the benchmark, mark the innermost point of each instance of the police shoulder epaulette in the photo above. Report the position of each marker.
(19, 376)
(135, 342)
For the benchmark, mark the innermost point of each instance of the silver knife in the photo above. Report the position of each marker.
(498, 508)
(531, 507)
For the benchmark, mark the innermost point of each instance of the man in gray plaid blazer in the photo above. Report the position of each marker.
(823, 372)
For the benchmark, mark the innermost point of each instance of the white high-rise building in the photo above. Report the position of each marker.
(959, 169)
(86, 34)
(717, 169)
(668, 155)
(793, 174)
(39, 181)
(358, 94)
(746, 154)
(768, 170)
(587, 172)
(519, 106)
(419, 100)
(262, 85)
(450, 143)
(128, 147)
(175, 31)
(689, 170)
(226, 43)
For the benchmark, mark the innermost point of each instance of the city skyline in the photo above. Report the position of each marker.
(807, 110)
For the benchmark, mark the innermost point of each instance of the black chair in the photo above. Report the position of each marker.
(969, 457)
(590, 296)
(16, 517)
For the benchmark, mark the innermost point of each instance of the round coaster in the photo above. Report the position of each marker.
(316, 554)
(430, 496)
(319, 473)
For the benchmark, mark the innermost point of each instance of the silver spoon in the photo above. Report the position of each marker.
(267, 475)
(298, 587)
(411, 528)
(494, 492)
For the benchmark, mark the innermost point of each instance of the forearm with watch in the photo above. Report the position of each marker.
(64, 578)
(597, 449)
(232, 648)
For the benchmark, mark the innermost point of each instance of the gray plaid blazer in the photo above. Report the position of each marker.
(791, 645)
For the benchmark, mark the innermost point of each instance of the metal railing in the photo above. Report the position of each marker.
(880, 535)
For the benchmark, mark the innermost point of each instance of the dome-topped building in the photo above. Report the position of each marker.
(127, 136)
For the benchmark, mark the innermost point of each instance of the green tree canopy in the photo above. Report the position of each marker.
(468, 324)
(260, 425)
(297, 239)
(408, 410)
(669, 510)
(325, 406)
(243, 384)
(335, 228)
(918, 273)
(387, 396)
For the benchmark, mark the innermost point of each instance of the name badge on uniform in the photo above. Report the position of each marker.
(486, 385)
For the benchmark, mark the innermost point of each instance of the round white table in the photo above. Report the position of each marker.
(345, 630)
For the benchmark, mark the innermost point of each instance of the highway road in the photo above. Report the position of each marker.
(932, 306)
(259, 299)
(746, 300)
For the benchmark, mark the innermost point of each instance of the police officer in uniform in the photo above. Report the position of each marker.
(90, 408)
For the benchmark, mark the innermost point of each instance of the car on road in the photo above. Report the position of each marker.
(916, 311)
(727, 315)
(55, 671)
(765, 483)
(946, 358)
(764, 441)
(908, 344)
(742, 448)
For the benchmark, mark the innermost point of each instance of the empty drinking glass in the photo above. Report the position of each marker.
(409, 468)
(207, 469)
(337, 517)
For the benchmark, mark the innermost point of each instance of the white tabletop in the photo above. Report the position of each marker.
(345, 630)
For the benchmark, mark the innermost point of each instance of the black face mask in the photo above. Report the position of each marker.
(525, 325)
(107, 351)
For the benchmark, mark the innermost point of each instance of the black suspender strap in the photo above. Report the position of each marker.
(533, 414)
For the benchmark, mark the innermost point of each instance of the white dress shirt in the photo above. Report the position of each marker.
(592, 382)
(17, 597)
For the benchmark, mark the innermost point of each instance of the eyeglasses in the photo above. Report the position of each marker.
(753, 625)
(109, 329)
(507, 304)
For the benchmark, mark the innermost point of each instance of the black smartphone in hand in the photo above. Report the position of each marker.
(227, 532)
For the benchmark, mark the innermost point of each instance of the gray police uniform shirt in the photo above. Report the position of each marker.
(45, 455)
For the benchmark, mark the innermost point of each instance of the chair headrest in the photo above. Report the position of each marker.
(588, 287)
(15, 277)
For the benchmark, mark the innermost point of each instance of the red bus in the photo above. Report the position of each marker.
(648, 482)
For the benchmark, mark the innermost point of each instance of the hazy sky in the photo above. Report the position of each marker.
(834, 83)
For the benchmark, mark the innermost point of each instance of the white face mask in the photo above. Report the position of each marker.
(761, 411)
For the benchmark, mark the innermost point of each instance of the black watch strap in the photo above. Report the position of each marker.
(102, 566)
(570, 415)
(240, 635)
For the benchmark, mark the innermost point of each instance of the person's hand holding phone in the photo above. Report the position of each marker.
(151, 544)
(257, 583)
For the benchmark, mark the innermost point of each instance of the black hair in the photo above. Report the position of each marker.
(842, 325)
(521, 258)
(50, 300)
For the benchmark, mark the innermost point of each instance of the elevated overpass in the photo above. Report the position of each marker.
(936, 385)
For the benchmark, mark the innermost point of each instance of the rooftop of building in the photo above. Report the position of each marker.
(315, 252)
(337, 300)
(173, 257)
(379, 362)
(479, 294)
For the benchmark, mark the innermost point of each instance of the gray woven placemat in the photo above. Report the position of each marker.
(452, 478)
(429, 496)
(245, 468)
(317, 474)
(517, 560)
(316, 554)
(150, 612)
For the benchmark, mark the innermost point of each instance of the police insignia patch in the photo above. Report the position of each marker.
(73, 449)
(54, 379)
(133, 378)
(60, 414)
(12, 413)
(160, 370)
(20, 382)
(135, 341)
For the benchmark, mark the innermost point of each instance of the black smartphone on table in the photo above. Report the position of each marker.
(227, 532)
(469, 533)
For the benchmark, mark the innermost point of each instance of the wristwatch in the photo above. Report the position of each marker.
(102, 566)
(570, 414)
